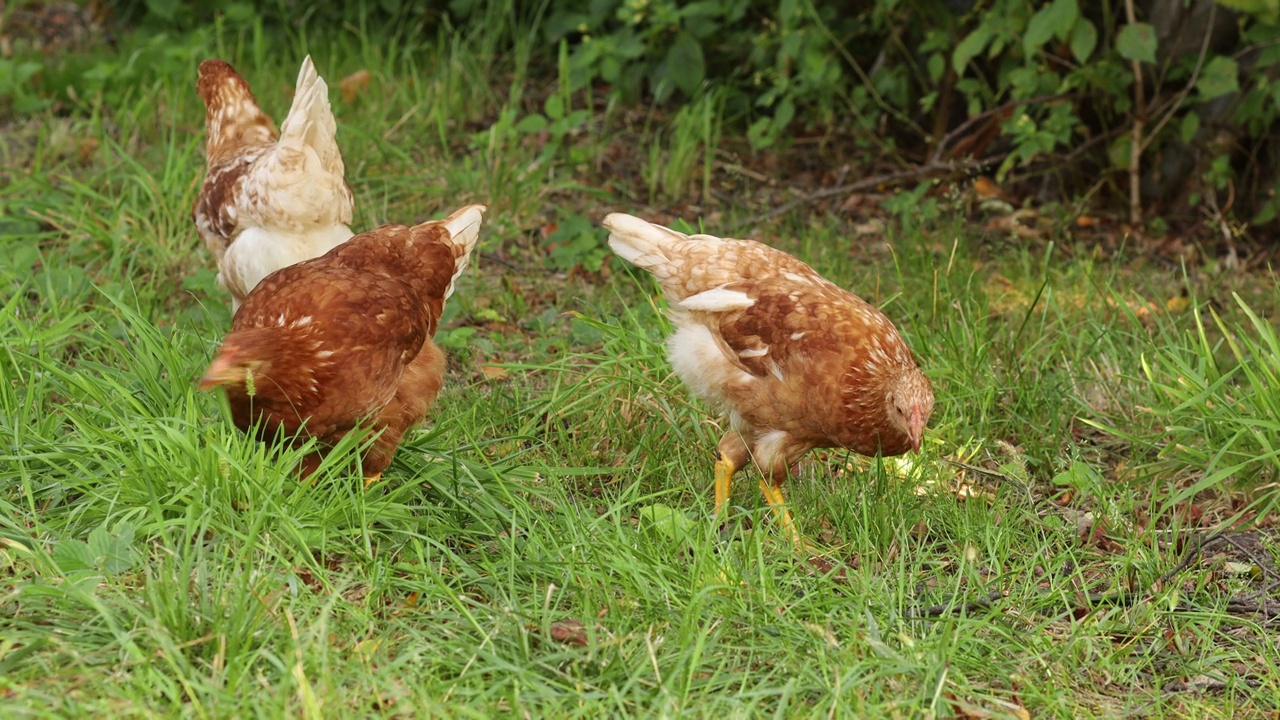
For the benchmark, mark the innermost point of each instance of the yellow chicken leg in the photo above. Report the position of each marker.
(372, 479)
(773, 496)
(724, 481)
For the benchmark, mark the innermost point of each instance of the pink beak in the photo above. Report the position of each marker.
(915, 428)
(216, 368)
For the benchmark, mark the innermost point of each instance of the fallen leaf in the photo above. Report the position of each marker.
(874, 226)
(352, 84)
(985, 187)
(1176, 304)
(570, 632)
(493, 372)
(366, 648)
(965, 711)
(87, 149)
(1239, 568)
(1098, 537)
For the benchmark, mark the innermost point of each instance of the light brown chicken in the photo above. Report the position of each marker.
(793, 360)
(345, 339)
(267, 200)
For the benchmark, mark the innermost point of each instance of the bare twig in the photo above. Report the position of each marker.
(1176, 102)
(1135, 143)
(865, 79)
(1193, 551)
(989, 473)
(970, 122)
(868, 183)
(949, 607)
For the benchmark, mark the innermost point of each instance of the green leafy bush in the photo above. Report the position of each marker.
(1045, 93)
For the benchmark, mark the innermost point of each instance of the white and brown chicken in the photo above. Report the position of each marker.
(269, 200)
(793, 360)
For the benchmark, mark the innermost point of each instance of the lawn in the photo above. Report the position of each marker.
(1088, 531)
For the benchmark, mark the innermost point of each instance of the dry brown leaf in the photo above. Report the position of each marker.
(569, 631)
(494, 372)
(352, 84)
(874, 226)
(985, 187)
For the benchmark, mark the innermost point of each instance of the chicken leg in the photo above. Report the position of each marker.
(773, 496)
(725, 469)
(724, 481)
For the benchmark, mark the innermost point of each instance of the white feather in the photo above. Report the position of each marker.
(464, 229)
(718, 300)
(258, 252)
(699, 361)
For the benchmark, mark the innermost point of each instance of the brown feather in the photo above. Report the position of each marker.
(795, 361)
(345, 339)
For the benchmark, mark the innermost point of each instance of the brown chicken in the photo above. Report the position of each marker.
(795, 361)
(268, 201)
(345, 339)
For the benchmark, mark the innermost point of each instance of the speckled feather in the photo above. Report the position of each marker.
(795, 361)
(284, 191)
(346, 337)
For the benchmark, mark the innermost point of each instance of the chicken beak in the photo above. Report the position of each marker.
(915, 428)
(219, 372)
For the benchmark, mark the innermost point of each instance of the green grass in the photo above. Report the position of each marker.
(543, 546)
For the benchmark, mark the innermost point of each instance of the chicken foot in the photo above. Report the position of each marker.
(724, 481)
(773, 496)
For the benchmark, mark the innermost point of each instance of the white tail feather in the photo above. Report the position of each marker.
(641, 242)
(464, 229)
(310, 121)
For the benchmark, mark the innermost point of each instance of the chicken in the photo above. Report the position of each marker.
(795, 361)
(268, 201)
(345, 339)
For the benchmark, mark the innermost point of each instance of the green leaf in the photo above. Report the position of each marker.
(758, 133)
(783, 114)
(1137, 41)
(686, 66)
(112, 552)
(1057, 18)
(1081, 476)
(936, 66)
(1065, 14)
(968, 48)
(1118, 152)
(1268, 213)
(667, 520)
(73, 555)
(530, 124)
(1190, 126)
(1268, 11)
(554, 106)
(1219, 77)
(164, 9)
(1084, 38)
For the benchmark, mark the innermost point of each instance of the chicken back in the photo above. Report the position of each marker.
(345, 340)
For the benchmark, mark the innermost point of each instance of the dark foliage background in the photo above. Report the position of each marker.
(1045, 97)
